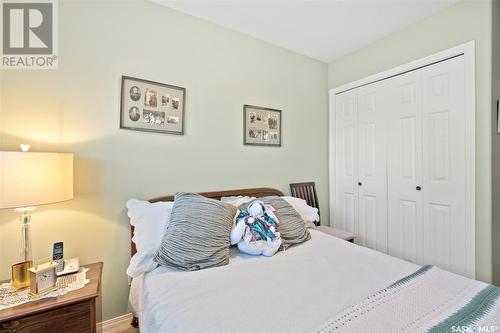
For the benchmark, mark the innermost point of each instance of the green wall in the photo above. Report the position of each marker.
(460, 23)
(76, 109)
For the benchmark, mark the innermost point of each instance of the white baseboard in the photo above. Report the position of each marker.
(113, 322)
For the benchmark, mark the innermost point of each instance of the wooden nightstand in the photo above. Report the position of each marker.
(73, 312)
(336, 233)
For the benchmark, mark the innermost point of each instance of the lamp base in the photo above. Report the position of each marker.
(20, 275)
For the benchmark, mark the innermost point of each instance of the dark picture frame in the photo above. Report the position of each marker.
(261, 126)
(151, 106)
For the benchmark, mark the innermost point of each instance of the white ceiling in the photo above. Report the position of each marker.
(325, 30)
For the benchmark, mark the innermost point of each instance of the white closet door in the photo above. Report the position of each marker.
(346, 163)
(444, 166)
(403, 171)
(405, 221)
(371, 230)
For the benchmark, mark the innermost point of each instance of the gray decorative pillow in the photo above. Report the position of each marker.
(198, 234)
(291, 226)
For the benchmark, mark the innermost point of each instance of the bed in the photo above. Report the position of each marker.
(323, 285)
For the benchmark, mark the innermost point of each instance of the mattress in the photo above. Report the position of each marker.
(293, 291)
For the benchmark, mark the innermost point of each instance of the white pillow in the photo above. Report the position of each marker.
(237, 200)
(150, 221)
(308, 213)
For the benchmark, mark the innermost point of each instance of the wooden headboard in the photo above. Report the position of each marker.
(251, 192)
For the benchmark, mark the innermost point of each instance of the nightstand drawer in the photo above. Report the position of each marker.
(72, 318)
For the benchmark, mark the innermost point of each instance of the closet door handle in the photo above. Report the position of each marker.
(418, 188)
(360, 183)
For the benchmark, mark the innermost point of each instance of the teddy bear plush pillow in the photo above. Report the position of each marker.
(255, 230)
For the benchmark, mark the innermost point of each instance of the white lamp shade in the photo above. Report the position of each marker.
(32, 179)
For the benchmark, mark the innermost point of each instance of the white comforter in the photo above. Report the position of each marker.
(293, 291)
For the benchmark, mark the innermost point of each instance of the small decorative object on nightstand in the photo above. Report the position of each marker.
(43, 278)
(71, 312)
(336, 233)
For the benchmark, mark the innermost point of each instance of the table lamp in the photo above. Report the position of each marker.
(27, 180)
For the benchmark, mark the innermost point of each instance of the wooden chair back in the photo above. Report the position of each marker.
(306, 191)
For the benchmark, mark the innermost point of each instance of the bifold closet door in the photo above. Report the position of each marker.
(361, 179)
(404, 166)
(346, 162)
(427, 166)
(445, 166)
(371, 229)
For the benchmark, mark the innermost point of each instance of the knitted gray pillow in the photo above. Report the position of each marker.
(291, 226)
(198, 234)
